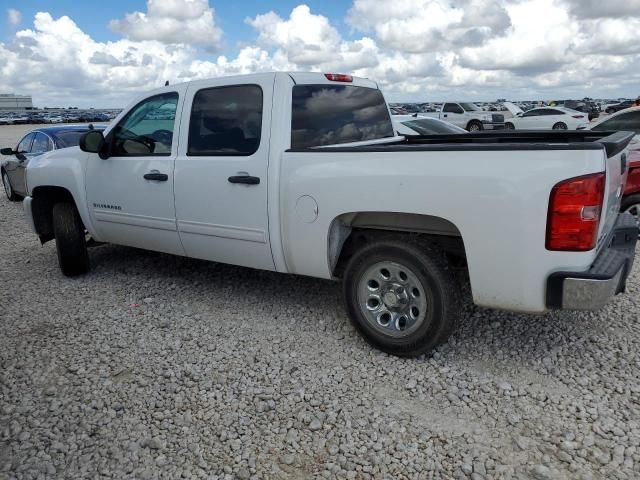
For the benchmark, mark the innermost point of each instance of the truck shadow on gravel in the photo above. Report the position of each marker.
(483, 336)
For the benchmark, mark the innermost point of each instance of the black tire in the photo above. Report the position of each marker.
(560, 126)
(426, 264)
(509, 126)
(8, 189)
(71, 243)
(474, 126)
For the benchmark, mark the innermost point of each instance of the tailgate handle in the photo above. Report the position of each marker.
(623, 163)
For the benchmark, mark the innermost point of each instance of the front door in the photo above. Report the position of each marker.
(130, 193)
(14, 167)
(221, 172)
(453, 113)
(530, 120)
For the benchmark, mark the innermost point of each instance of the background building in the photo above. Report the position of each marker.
(10, 101)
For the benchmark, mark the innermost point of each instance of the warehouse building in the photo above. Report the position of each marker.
(10, 101)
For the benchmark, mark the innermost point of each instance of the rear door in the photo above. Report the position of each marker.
(221, 172)
(553, 117)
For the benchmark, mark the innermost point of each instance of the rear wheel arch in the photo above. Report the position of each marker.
(350, 232)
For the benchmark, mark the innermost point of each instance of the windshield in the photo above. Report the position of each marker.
(426, 126)
(334, 114)
(470, 107)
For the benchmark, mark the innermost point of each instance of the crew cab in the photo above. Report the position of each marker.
(468, 116)
(302, 173)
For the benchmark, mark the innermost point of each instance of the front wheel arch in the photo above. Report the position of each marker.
(43, 200)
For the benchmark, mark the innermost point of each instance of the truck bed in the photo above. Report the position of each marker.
(612, 142)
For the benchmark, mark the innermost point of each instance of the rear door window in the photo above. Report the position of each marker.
(226, 121)
(41, 143)
(335, 114)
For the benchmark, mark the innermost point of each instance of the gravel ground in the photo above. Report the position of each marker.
(156, 366)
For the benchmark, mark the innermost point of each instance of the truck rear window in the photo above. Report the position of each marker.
(334, 114)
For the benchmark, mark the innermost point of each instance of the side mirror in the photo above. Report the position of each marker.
(7, 151)
(92, 141)
(519, 114)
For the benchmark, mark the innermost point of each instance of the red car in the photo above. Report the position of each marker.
(631, 195)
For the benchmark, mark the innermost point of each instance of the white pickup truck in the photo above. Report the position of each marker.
(468, 116)
(302, 173)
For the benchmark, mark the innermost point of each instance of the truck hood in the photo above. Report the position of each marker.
(514, 109)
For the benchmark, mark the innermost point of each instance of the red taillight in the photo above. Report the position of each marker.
(633, 181)
(338, 77)
(574, 213)
(578, 116)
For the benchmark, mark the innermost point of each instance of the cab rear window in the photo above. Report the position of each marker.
(335, 114)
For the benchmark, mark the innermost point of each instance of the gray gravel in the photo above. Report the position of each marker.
(157, 366)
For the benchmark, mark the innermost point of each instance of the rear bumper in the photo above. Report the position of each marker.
(607, 276)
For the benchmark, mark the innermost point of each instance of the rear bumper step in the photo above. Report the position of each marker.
(607, 277)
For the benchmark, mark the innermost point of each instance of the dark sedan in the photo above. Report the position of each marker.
(620, 106)
(34, 143)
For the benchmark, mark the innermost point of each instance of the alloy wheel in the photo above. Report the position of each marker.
(392, 298)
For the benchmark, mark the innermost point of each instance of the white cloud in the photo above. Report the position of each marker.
(189, 22)
(14, 16)
(429, 25)
(308, 39)
(417, 50)
(603, 8)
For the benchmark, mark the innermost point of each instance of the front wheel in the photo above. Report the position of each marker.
(560, 126)
(401, 296)
(474, 126)
(8, 189)
(71, 243)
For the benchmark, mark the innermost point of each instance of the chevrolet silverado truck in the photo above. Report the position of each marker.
(302, 173)
(468, 116)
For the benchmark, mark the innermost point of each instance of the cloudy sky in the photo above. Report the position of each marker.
(104, 53)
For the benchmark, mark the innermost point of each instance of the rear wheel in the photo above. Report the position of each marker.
(401, 296)
(560, 126)
(474, 126)
(8, 189)
(71, 242)
(509, 126)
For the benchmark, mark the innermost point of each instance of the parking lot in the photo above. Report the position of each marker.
(159, 366)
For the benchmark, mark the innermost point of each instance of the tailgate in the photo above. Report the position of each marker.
(615, 148)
